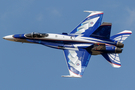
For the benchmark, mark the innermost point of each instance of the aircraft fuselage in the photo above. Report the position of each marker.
(60, 41)
(90, 37)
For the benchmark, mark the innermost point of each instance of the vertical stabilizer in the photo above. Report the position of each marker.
(103, 31)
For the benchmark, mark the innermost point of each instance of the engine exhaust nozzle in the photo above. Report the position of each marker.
(120, 45)
(118, 50)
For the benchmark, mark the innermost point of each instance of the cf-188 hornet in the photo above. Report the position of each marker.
(90, 37)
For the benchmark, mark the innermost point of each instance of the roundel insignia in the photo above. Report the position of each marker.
(91, 22)
(77, 64)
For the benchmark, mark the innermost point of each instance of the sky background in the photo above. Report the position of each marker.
(37, 67)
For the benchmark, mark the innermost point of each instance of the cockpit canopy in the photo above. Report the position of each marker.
(36, 35)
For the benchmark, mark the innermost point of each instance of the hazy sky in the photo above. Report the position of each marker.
(37, 67)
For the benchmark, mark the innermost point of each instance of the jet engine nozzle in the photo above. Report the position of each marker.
(118, 50)
(120, 45)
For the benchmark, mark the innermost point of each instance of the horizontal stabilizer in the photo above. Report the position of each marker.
(113, 59)
(121, 36)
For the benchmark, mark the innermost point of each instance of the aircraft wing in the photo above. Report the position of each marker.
(77, 61)
(89, 24)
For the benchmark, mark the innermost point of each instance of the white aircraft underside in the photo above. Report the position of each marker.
(90, 37)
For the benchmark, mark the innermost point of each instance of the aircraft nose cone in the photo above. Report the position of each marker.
(4, 37)
(9, 37)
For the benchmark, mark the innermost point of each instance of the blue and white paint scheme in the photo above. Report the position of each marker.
(90, 37)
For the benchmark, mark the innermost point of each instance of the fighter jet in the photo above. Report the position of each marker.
(90, 37)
